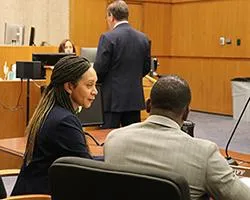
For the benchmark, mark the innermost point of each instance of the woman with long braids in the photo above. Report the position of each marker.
(54, 130)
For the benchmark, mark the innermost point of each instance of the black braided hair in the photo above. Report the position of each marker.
(67, 69)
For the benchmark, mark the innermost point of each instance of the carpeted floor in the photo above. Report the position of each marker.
(218, 129)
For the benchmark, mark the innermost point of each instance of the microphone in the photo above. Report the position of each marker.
(155, 74)
(228, 158)
(153, 68)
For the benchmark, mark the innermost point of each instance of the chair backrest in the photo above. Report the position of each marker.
(89, 53)
(79, 178)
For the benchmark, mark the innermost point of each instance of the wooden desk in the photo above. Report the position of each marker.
(242, 159)
(13, 116)
(12, 149)
(13, 121)
(100, 136)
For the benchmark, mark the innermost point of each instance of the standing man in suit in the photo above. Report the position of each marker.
(159, 142)
(122, 60)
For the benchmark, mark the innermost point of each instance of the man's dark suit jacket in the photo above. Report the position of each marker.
(122, 60)
(61, 135)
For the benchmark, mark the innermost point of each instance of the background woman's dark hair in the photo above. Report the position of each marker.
(62, 46)
(68, 69)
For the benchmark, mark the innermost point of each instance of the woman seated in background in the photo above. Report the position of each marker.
(54, 130)
(66, 46)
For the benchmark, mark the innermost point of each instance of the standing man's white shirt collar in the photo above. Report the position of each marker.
(120, 22)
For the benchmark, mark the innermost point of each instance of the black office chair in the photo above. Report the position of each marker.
(79, 178)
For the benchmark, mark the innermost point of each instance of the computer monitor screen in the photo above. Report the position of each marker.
(89, 53)
(93, 116)
(48, 59)
(14, 34)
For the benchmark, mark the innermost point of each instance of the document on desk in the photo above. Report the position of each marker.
(245, 180)
(243, 173)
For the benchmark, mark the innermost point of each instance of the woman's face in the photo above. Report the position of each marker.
(83, 94)
(68, 48)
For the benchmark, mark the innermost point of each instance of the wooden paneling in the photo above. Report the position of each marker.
(210, 81)
(157, 25)
(13, 106)
(13, 116)
(136, 15)
(185, 37)
(197, 27)
(189, 1)
(197, 56)
(87, 21)
(10, 161)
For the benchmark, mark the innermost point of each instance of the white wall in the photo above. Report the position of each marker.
(49, 17)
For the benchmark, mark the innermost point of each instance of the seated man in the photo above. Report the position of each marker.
(159, 142)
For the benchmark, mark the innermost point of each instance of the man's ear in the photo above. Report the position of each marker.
(185, 113)
(112, 19)
(68, 87)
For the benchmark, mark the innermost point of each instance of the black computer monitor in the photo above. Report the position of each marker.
(48, 59)
(32, 36)
(28, 70)
(93, 116)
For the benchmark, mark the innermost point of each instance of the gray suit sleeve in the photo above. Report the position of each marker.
(222, 183)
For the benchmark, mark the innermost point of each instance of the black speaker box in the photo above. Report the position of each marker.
(29, 70)
(188, 127)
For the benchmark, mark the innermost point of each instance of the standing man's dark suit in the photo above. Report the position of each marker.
(122, 60)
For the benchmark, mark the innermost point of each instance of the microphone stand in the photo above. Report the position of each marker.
(229, 159)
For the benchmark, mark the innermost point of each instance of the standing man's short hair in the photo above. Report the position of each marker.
(119, 10)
